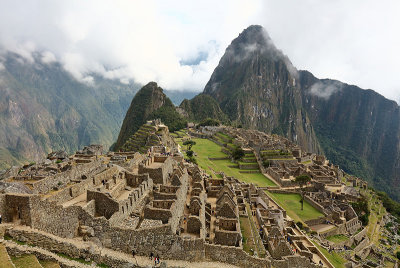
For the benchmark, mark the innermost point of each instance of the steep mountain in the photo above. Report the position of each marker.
(150, 102)
(359, 129)
(256, 85)
(43, 108)
(202, 107)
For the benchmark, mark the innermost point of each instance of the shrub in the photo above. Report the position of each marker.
(299, 224)
(189, 153)
(209, 122)
(238, 153)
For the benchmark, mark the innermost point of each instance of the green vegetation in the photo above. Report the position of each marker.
(301, 180)
(81, 260)
(4, 261)
(335, 258)
(202, 107)
(206, 148)
(245, 229)
(238, 153)
(189, 144)
(169, 116)
(390, 205)
(49, 264)
(291, 203)
(337, 238)
(26, 261)
(209, 122)
(361, 208)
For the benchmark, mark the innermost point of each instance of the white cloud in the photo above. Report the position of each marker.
(324, 90)
(48, 57)
(2, 67)
(352, 41)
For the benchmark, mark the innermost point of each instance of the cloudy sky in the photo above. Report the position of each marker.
(179, 43)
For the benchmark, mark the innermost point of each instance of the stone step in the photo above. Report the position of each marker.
(5, 259)
(26, 261)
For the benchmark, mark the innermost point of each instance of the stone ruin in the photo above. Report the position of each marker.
(150, 200)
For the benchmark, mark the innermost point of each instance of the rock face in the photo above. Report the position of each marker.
(358, 129)
(149, 103)
(257, 86)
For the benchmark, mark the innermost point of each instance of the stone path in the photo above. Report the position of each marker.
(142, 261)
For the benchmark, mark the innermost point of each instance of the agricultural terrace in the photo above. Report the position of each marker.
(205, 149)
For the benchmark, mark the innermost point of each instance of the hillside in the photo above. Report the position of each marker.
(202, 107)
(257, 86)
(149, 103)
(43, 108)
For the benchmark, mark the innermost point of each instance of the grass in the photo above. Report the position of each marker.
(335, 258)
(337, 238)
(81, 260)
(205, 148)
(246, 234)
(291, 203)
(49, 264)
(257, 238)
(4, 258)
(26, 261)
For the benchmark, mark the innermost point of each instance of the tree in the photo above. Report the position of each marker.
(209, 122)
(189, 144)
(189, 153)
(238, 153)
(301, 180)
(267, 163)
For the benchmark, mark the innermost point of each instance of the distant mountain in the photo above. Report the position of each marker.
(177, 96)
(256, 85)
(43, 108)
(149, 103)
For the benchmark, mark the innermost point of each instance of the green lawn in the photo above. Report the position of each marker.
(335, 258)
(337, 238)
(246, 234)
(291, 203)
(4, 258)
(205, 148)
(26, 261)
(49, 264)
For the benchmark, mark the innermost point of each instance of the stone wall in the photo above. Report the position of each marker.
(105, 205)
(71, 192)
(159, 175)
(18, 208)
(3, 206)
(55, 219)
(234, 256)
(76, 172)
(315, 204)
